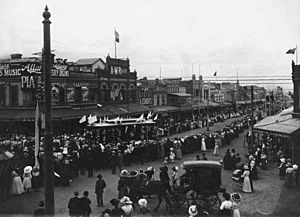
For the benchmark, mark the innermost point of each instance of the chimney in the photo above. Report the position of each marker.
(16, 56)
(296, 81)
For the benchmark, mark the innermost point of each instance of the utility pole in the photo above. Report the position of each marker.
(207, 115)
(49, 171)
(252, 119)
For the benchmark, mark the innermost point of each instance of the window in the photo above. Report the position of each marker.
(2, 94)
(28, 97)
(14, 95)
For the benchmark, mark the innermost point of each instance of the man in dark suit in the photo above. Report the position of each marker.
(99, 188)
(74, 205)
(85, 205)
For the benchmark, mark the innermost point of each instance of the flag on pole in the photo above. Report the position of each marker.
(155, 118)
(215, 74)
(291, 51)
(117, 36)
(83, 119)
(149, 115)
(92, 119)
(36, 135)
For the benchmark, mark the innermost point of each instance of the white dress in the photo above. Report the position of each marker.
(247, 183)
(17, 185)
(203, 145)
(236, 211)
(27, 180)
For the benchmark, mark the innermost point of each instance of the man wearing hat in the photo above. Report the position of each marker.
(164, 179)
(99, 189)
(116, 211)
(74, 205)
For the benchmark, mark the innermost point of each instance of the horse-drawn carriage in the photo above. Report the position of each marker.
(200, 185)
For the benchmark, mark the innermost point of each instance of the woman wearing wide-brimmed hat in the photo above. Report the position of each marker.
(236, 198)
(282, 168)
(127, 207)
(27, 178)
(123, 184)
(247, 182)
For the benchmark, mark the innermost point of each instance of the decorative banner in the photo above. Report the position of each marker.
(85, 94)
(70, 94)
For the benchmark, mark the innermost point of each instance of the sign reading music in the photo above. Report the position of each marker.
(15, 71)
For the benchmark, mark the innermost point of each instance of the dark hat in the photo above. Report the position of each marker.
(226, 196)
(106, 211)
(163, 168)
(41, 203)
(114, 202)
(236, 197)
(99, 176)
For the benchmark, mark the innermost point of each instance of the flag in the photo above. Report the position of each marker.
(149, 115)
(117, 37)
(215, 74)
(36, 135)
(92, 119)
(155, 118)
(83, 119)
(291, 51)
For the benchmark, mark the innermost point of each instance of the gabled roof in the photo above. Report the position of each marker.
(88, 61)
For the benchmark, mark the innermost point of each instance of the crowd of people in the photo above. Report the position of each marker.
(77, 153)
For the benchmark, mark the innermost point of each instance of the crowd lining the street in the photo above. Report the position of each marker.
(93, 149)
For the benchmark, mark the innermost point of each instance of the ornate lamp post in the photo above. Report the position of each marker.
(49, 171)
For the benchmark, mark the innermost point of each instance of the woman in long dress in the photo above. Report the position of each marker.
(35, 178)
(203, 144)
(17, 185)
(27, 182)
(236, 198)
(247, 183)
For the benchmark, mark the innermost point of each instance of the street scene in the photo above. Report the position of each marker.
(161, 108)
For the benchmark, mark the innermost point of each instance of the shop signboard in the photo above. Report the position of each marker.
(70, 94)
(15, 70)
(28, 80)
(85, 94)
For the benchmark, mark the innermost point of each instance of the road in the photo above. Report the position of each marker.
(263, 200)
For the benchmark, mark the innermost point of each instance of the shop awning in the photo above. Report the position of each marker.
(57, 113)
(164, 109)
(286, 124)
(127, 109)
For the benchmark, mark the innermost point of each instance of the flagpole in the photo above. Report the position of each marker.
(296, 54)
(115, 46)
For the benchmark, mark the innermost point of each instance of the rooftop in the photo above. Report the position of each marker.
(88, 61)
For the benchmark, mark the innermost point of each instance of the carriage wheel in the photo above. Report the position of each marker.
(177, 200)
(176, 203)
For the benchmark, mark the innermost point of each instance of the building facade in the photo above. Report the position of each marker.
(85, 81)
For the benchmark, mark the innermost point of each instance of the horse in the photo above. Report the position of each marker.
(137, 190)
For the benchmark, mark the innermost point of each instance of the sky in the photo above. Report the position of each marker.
(178, 38)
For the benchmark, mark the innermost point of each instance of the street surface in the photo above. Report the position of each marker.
(261, 202)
